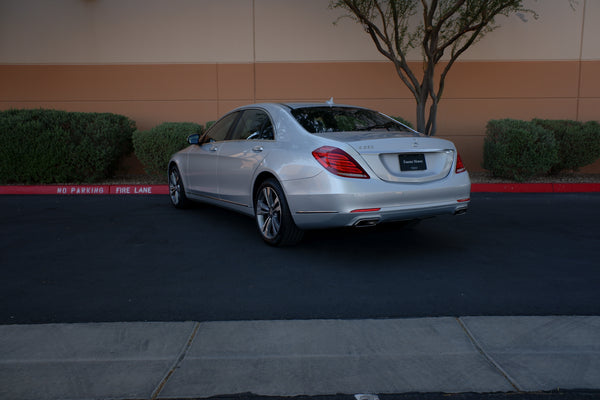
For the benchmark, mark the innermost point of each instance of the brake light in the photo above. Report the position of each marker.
(338, 162)
(460, 167)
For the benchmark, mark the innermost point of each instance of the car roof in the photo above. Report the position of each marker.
(308, 104)
(292, 106)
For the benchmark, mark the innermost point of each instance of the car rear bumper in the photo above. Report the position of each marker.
(327, 201)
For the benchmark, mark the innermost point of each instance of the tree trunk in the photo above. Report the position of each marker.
(421, 116)
(432, 120)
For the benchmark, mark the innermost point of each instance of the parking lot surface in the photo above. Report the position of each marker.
(126, 297)
(115, 259)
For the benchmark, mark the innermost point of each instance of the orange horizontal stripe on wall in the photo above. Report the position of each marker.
(368, 80)
(153, 93)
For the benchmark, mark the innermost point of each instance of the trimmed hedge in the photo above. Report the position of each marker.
(155, 147)
(518, 150)
(578, 143)
(50, 146)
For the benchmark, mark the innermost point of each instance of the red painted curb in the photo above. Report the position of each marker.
(576, 187)
(85, 189)
(164, 189)
(139, 189)
(512, 187)
(535, 187)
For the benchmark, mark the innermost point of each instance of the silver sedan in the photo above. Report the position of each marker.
(307, 166)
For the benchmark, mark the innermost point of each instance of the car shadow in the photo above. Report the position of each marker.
(383, 244)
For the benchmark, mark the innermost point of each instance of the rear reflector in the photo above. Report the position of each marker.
(463, 200)
(338, 162)
(363, 210)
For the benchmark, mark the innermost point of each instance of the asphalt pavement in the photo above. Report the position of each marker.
(136, 258)
(548, 265)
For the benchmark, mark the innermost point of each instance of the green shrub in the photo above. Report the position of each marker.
(578, 143)
(155, 147)
(518, 150)
(50, 146)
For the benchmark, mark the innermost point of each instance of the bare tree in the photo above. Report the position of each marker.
(446, 28)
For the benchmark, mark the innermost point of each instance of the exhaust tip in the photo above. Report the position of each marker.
(462, 211)
(365, 223)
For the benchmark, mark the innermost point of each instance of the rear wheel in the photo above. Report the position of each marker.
(176, 189)
(273, 218)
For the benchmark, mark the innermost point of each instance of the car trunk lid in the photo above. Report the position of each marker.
(401, 156)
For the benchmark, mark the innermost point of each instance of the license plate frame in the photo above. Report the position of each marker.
(410, 162)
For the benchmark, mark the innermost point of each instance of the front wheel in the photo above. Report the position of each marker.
(273, 217)
(176, 189)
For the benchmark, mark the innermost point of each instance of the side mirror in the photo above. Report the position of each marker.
(194, 139)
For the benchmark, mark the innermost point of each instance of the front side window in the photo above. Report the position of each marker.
(219, 131)
(254, 125)
(344, 119)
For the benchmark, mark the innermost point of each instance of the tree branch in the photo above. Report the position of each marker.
(455, 24)
(379, 37)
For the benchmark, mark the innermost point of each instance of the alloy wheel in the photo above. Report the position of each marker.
(268, 213)
(175, 186)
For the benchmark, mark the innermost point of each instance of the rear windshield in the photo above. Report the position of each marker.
(344, 119)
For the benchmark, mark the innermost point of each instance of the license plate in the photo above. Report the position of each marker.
(412, 162)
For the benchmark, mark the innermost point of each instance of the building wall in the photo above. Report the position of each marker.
(193, 60)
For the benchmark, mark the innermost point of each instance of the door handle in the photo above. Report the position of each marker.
(257, 149)
(214, 148)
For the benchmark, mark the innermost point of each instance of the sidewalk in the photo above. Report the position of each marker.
(289, 358)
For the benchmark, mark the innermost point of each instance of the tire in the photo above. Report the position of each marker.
(273, 218)
(176, 189)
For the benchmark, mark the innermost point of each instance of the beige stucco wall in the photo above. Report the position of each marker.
(125, 31)
(591, 29)
(194, 60)
(230, 31)
(291, 30)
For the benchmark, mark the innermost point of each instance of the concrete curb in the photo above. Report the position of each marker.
(164, 189)
(535, 187)
(176, 360)
(84, 189)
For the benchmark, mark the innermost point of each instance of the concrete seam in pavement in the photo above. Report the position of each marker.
(177, 362)
(489, 359)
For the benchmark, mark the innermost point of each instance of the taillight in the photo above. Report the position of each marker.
(338, 162)
(460, 167)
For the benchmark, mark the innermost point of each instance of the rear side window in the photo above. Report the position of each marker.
(344, 119)
(253, 125)
(219, 131)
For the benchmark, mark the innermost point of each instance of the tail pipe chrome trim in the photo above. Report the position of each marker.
(365, 223)
(460, 211)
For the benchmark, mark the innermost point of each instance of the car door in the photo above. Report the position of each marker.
(202, 159)
(251, 141)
